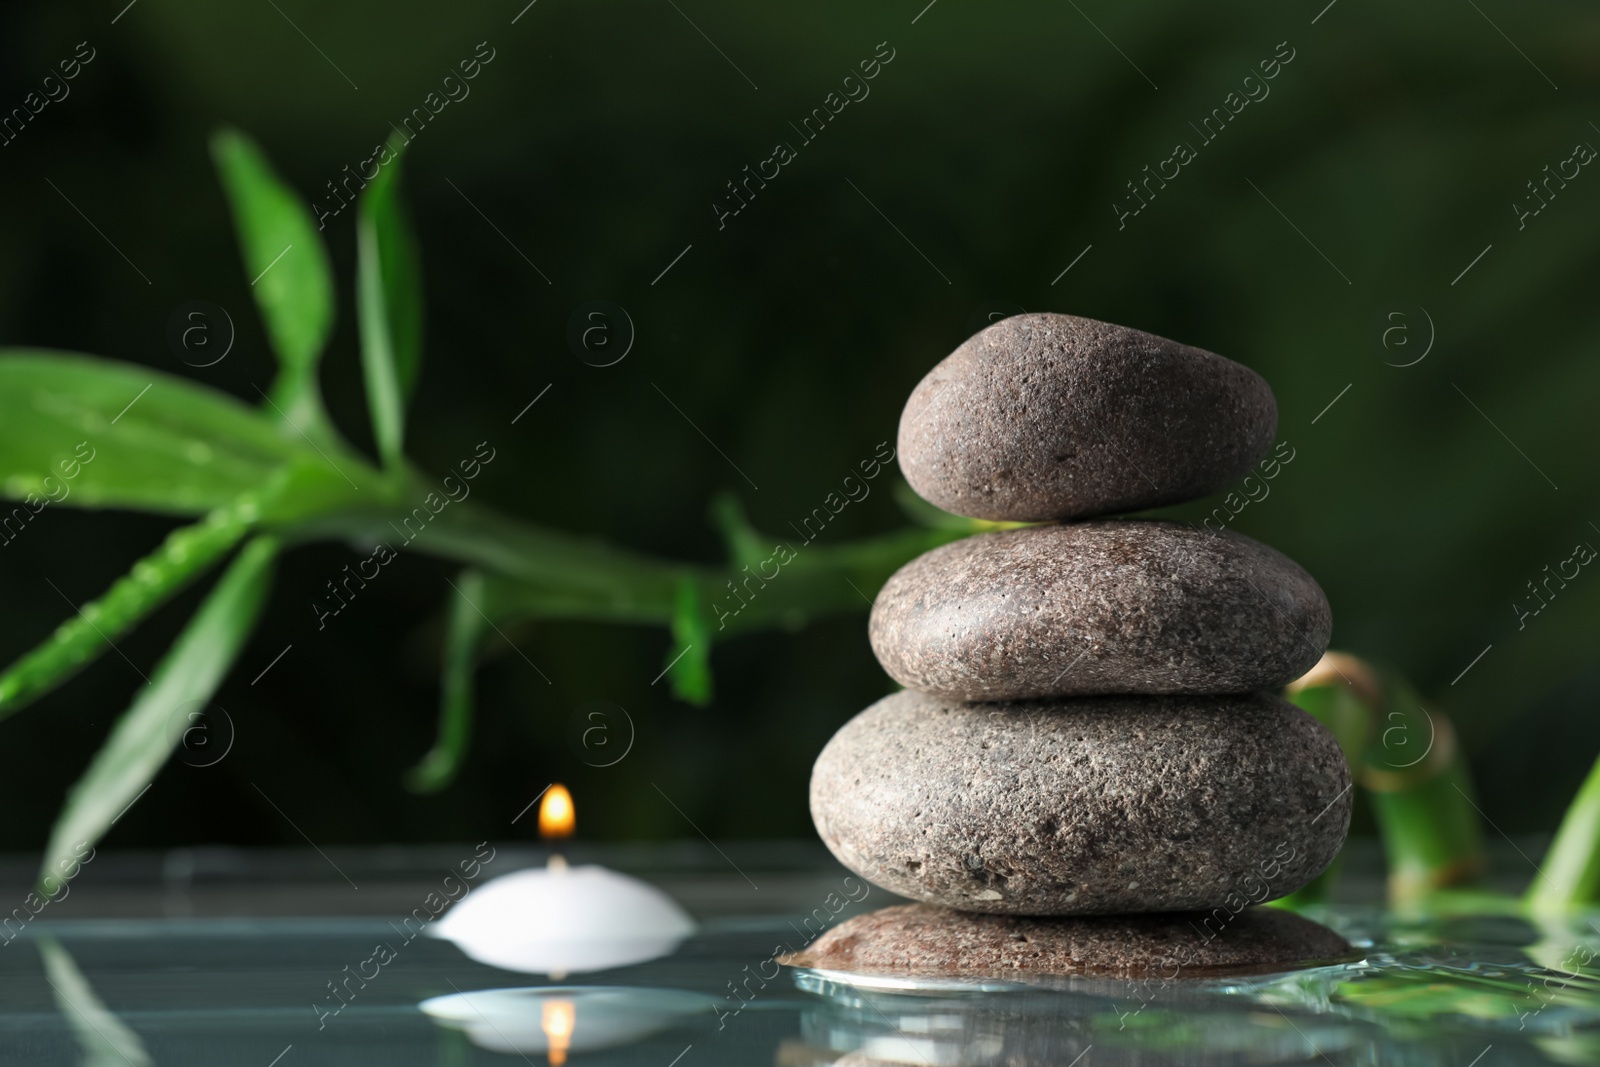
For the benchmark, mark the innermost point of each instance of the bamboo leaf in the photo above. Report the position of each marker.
(689, 665)
(154, 580)
(143, 737)
(389, 302)
(1570, 874)
(81, 431)
(744, 541)
(106, 1040)
(288, 267)
(465, 630)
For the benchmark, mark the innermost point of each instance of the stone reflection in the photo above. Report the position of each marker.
(918, 984)
(919, 1023)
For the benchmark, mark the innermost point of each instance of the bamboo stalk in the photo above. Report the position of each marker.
(1421, 791)
(1412, 773)
(1343, 694)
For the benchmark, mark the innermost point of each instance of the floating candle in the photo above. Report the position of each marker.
(562, 919)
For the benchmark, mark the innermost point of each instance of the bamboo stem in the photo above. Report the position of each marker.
(1422, 796)
(1343, 694)
(1413, 773)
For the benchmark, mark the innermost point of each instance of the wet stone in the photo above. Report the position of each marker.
(1083, 806)
(923, 940)
(1047, 416)
(1099, 607)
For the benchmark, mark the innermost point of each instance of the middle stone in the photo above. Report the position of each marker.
(1088, 806)
(1096, 608)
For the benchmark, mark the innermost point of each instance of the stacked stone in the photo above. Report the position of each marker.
(1087, 728)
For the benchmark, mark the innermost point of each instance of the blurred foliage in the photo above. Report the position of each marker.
(528, 572)
(997, 140)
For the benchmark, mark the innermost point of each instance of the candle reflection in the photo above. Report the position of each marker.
(558, 1022)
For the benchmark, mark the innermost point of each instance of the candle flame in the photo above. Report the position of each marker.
(556, 818)
(557, 1021)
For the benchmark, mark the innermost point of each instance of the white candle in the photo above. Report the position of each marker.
(565, 920)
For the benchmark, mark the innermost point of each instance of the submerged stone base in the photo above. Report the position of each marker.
(924, 940)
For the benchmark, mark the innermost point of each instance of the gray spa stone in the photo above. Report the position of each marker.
(1099, 607)
(1083, 806)
(1049, 416)
(924, 940)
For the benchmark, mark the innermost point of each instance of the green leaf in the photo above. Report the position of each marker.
(145, 735)
(155, 579)
(689, 663)
(106, 1040)
(88, 432)
(464, 636)
(389, 302)
(287, 265)
(744, 541)
(1570, 875)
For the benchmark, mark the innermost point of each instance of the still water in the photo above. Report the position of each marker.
(200, 981)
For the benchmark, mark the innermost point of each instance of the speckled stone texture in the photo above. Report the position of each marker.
(1049, 416)
(1099, 607)
(924, 940)
(1083, 806)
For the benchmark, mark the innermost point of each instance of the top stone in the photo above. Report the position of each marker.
(1046, 416)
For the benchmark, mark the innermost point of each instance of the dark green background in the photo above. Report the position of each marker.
(997, 141)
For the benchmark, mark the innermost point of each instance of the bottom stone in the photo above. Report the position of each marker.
(925, 940)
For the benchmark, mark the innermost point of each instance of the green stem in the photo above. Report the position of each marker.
(1342, 693)
(819, 580)
(542, 573)
(588, 570)
(533, 573)
(688, 665)
(1423, 803)
(296, 401)
(1570, 874)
